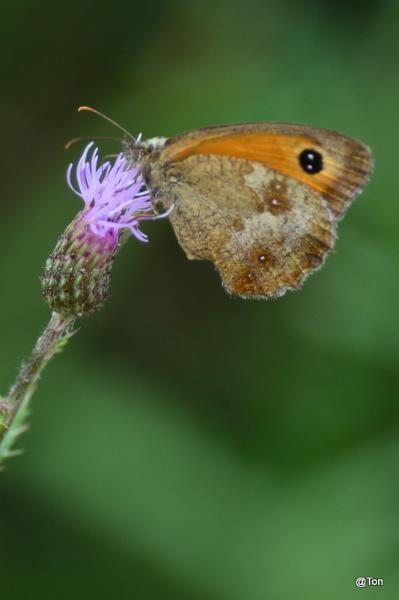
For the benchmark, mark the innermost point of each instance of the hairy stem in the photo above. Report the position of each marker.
(49, 343)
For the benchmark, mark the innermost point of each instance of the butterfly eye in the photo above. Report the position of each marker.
(311, 161)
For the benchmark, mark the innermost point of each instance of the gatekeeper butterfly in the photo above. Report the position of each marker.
(260, 200)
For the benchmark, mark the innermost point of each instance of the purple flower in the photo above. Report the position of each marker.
(77, 273)
(115, 195)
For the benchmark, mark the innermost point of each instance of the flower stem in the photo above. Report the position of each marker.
(13, 407)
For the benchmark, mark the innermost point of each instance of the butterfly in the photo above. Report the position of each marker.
(261, 201)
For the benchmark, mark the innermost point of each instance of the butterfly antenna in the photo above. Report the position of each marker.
(100, 114)
(85, 138)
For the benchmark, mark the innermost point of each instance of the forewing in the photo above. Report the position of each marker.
(347, 163)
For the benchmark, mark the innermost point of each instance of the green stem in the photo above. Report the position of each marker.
(49, 343)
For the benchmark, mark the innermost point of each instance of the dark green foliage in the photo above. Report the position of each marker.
(187, 445)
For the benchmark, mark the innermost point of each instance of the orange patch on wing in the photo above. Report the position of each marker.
(276, 151)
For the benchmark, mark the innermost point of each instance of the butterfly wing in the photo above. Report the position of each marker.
(244, 201)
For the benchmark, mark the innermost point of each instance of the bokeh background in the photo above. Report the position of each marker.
(187, 445)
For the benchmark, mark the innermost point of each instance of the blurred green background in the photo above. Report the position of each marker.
(187, 445)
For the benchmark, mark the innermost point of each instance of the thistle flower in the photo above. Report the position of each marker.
(115, 196)
(77, 273)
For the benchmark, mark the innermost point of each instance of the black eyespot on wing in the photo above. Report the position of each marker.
(311, 161)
